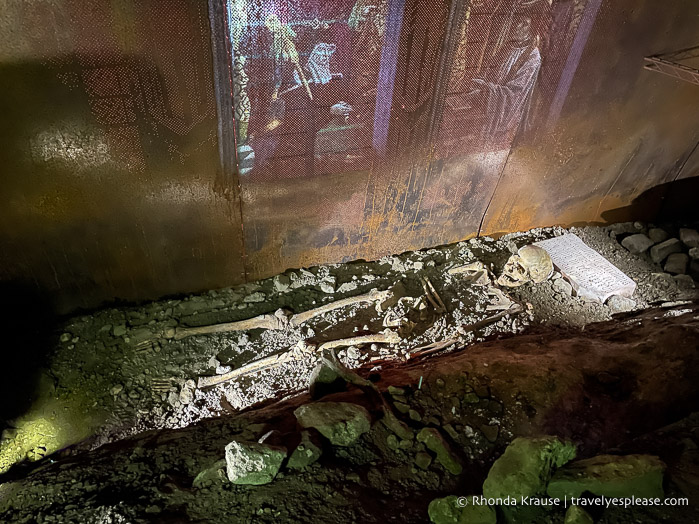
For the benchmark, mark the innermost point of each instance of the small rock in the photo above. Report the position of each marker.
(305, 454)
(342, 423)
(281, 283)
(662, 279)
(393, 391)
(327, 288)
(119, 331)
(694, 253)
(660, 252)
(325, 380)
(577, 515)
(65, 337)
(622, 228)
(398, 427)
(611, 476)
(525, 467)
(414, 415)
(392, 441)
(423, 460)
(563, 286)
(434, 441)
(401, 407)
(639, 226)
(116, 390)
(689, 237)
(490, 432)
(676, 263)
(657, 235)
(253, 463)
(447, 510)
(684, 281)
(637, 244)
(255, 297)
(619, 304)
(214, 473)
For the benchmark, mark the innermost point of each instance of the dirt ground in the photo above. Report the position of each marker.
(118, 372)
(588, 387)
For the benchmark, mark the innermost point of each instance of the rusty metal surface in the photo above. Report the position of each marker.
(623, 130)
(110, 155)
(436, 98)
(357, 129)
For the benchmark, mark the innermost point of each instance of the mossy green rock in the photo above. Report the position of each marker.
(212, 474)
(611, 476)
(526, 467)
(577, 515)
(253, 463)
(448, 511)
(342, 423)
(305, 454)
(434, 441)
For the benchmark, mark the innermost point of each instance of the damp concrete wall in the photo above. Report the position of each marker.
(114, 187)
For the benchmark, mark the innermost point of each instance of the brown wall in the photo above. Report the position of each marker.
(113, 187)
(109, 152)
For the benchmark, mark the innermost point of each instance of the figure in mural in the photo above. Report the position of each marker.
(505, 95)
(368, 20)
(319, 64)
(337, 137)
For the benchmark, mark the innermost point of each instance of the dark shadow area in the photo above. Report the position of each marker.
(28, 326)
(669, 202)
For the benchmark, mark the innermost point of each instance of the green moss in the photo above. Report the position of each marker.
(526, 467)
(611, 476)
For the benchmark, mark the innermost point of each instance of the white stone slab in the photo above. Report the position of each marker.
(592, 276)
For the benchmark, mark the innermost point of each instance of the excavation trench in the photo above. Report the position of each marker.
(607, 388)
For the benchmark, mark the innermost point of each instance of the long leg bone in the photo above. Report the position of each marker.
(385, 337)
(297, 353)
(258, 365)
(260, 322)
(279, 320)
(372, 296)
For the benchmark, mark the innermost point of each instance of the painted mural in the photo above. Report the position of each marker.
(314, 82)
(411, 106)
(304, 78)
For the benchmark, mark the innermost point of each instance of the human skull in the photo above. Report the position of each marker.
(537, 261)
(531, 263)
(514, 273)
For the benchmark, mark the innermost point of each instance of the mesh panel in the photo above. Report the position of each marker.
(305, 80)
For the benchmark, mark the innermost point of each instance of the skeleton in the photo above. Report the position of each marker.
(530, 264)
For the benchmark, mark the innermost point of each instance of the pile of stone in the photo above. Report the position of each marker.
(678, 257)
(542, 469)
